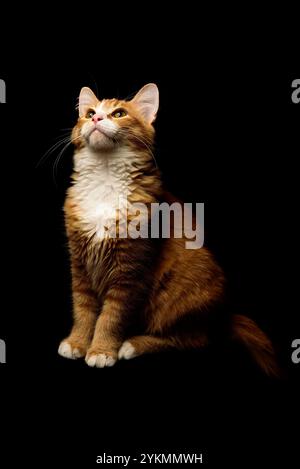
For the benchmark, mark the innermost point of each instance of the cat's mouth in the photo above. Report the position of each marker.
(99, 138)
(96, 130)
(101, 131)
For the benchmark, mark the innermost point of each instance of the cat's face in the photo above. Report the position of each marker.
(106, 124)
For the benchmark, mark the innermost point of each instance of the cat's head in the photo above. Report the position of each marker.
(105, 124)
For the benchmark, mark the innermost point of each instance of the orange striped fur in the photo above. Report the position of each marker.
(130, 296)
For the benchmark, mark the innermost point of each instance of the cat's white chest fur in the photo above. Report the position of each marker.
(102, 187)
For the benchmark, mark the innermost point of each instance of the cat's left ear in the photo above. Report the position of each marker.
(87, 99)
(147, 101)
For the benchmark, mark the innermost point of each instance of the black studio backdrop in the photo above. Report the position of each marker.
(226, 136)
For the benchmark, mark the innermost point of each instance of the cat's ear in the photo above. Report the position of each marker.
(87, 99)
(147, 101)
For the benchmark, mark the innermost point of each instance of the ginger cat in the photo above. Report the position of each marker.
(134, 296)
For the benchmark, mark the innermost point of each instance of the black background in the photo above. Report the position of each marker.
(227, 135)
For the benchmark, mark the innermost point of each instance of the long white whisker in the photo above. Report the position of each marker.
(128, 131)
(52, 149)
(59, 156)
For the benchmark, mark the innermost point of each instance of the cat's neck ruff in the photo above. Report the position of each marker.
(99, 170)
(100, 181)
(87, 160)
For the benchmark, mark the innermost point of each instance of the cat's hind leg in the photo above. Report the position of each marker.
(145, 344)
(139, 345)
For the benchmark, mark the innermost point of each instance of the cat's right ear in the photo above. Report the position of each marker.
(87, 99)
(146, 101)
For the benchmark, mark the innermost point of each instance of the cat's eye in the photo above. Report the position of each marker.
(90, 114)
(119, 113)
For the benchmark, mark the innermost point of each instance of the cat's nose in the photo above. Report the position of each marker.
(97, 117)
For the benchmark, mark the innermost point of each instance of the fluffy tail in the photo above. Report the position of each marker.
(246, 331)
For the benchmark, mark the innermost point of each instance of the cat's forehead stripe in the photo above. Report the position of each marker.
(106, 105)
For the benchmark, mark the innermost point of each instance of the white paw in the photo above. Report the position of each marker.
(100, 361)
(65, 350)
(127, 351)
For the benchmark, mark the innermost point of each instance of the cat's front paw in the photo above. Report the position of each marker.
(100, 360)
(69, 350)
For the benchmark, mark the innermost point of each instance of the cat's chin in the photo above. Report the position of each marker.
(99, 141)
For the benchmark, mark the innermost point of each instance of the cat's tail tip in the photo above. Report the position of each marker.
(247, 332)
